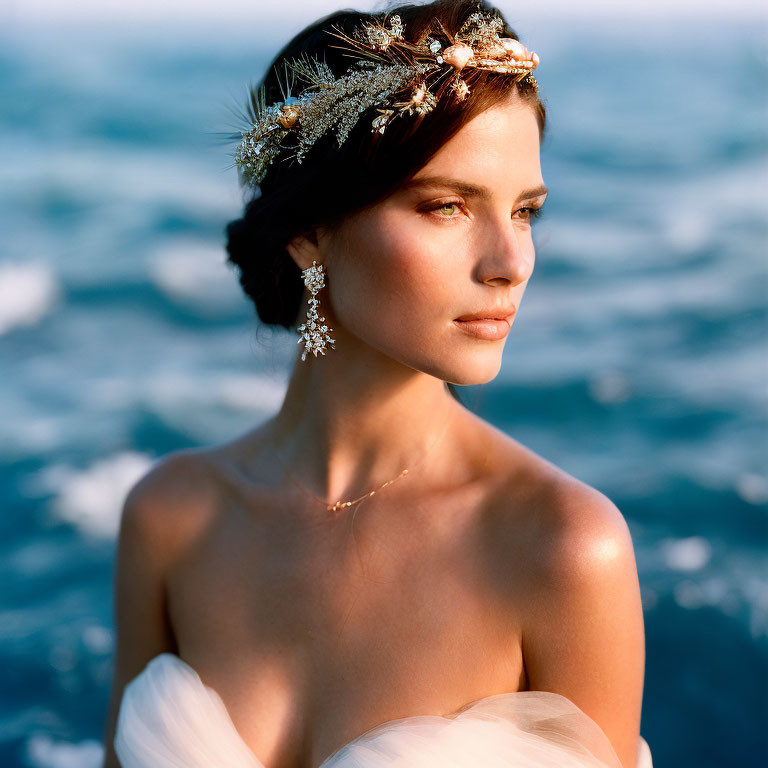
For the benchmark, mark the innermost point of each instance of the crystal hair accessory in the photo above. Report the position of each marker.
(390, 73)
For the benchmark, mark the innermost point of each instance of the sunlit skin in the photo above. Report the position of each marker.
(400, 272)
(398, 275)
(485, 569)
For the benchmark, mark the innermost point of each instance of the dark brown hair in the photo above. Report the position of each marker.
(334, 182)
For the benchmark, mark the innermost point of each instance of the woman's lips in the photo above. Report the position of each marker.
(485, 328)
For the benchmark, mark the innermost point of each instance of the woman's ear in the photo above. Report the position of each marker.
(303, 249)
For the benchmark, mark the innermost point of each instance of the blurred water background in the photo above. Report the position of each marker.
(637, 361)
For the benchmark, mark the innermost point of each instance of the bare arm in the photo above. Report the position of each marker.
(584, 636)
(142, 625)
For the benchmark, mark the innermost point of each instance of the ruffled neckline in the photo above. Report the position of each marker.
(495, 704)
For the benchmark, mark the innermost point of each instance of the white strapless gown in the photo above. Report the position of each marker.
(169, 718)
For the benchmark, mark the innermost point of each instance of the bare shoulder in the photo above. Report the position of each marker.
(176, 495)
(576, 523)
(549, 527)
(577, 594)
(160, 512)
(184, 490)
(570, 521)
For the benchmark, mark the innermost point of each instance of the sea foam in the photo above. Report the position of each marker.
(27, 293)
(92, 499)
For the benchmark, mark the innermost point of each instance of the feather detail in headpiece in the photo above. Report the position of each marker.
(389, 72)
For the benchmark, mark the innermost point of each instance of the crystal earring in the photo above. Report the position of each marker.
(314, 332)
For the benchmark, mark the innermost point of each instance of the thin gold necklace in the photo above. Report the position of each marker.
(339, 505)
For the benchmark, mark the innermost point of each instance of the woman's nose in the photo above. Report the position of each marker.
(509, 256)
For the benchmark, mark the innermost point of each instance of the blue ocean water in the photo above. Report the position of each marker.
(637, 362)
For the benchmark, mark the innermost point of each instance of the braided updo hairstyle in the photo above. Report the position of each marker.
(333, 182)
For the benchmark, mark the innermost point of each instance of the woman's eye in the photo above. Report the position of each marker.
(531, 213)
(442, 207)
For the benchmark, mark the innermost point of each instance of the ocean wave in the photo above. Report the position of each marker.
(688, 554)
(194, 273)
(243, 392)
(28, 292)
(93, 173)
(91, 499)
(43, 752)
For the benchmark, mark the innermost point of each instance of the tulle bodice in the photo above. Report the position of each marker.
(169, 718)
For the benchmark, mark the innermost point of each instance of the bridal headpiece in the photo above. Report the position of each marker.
(392, 74)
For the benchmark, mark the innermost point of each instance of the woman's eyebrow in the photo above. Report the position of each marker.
(467, 189)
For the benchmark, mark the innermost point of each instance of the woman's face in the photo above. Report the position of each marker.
(454, 241)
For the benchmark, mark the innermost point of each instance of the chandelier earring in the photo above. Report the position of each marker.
(314, 332)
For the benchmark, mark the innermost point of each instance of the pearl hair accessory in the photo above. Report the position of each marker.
(393, 75)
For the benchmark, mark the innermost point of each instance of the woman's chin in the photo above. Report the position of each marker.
(475, 370)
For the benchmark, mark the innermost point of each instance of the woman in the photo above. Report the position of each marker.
(376, 576)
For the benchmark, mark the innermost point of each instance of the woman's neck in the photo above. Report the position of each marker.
(344, 429)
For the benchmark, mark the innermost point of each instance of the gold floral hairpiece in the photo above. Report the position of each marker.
(387, 66)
